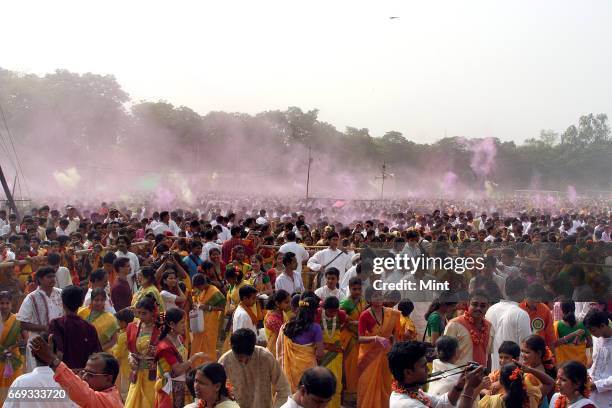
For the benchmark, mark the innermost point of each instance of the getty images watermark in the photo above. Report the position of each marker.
(397, 273)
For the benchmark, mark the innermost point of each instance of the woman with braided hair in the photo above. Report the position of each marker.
(172, 362)
(574, 387)
(300, 342)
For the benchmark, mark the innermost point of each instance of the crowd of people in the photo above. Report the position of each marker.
(277, 306)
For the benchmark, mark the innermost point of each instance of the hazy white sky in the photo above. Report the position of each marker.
(473, 68)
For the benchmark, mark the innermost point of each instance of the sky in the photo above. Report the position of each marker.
(487, 68)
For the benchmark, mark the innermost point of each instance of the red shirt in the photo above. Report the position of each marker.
(75, 338)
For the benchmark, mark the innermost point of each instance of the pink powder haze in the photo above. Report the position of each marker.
(81, 138)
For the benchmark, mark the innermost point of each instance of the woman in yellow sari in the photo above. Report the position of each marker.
(212, 302)
(235, 280)
(146, 279)
(105, 322)
(332, 320)
(278, 303)
(121, 352)
(523, 395)
(300, 342)
(11, 360)
(572, 338)
(353, 305)
(142, 339)
(379, 327)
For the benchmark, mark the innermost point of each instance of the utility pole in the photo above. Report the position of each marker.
(382, 177)
(7, 191)
(308, 174)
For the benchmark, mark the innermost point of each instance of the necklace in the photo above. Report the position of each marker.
(325, 328)
(415, 395)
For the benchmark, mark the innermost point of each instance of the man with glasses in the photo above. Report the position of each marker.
(474, 333)
(96, 385)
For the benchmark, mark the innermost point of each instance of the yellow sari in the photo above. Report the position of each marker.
(170, 392)
(374, 386)
(11, 360)
(350, 345)
(206, 342)
(296, 359)
(141, 393)
(333, 356)
(120, 351)
(105, 323)
(142, 292)
(575, 350)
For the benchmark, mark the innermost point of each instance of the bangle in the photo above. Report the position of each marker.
(56, 362)
(467, 396)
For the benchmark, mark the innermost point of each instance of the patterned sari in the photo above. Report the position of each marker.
(332, 358)
(11, 360)
(142, 380)
(142, 292)
(350, 344)
(273, 324)
(170, 392)
(296, 358)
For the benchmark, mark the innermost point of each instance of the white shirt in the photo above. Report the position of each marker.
(324, 259)
(404, 401)
(601, 371)
(206, 249)
(40, 377)
(60, 232)
(445, 384)
(169, 299)
(62, 277)
(73, 225)
(291, 404)
(283, 281)
(242, 320)
(324, 292)
(10, 255)
(134, 266)
(261, 221)
(225, 234)
(510, 323)
(301, 255)
(351, 273)
(33, 310)
(161, 228)
(108, 306)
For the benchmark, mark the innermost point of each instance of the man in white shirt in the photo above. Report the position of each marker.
(329, 257)
(261, 220)
(123, 243)
(62, 274)
(73, 220)
(598, 324)
(99, 279)
(165, 224)
(301, 255)
(39, 308)
(209, 243)
(289, 280)
(41, 378)
(508, 321)
(331, 286)
(241, 318)
(62, 229)
(225, 233)
(315, 389)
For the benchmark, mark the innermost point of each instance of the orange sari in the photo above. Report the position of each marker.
(374, 387)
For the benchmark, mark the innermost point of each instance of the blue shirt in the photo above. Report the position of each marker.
(192, 263)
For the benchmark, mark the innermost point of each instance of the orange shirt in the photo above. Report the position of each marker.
(541, 322)
(79, 392)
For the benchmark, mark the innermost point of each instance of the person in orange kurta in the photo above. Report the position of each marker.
(542, 322)
(96, 388)
(379, 328)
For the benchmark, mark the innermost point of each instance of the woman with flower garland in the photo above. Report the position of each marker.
(574, 387)
(211, 387)
(172, 362)
(332, 321)
(516, 392)
(105, 322)
(11, 360)
(146, 281)
(278, 303)
(379, 327)
(300, 342)
(536, 356)
(142, 339)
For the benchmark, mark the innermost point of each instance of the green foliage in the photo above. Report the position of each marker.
(90, 115)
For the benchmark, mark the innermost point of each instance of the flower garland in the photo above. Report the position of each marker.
(477, 336)
(415, 395)
(563, 401)
(325, 328)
